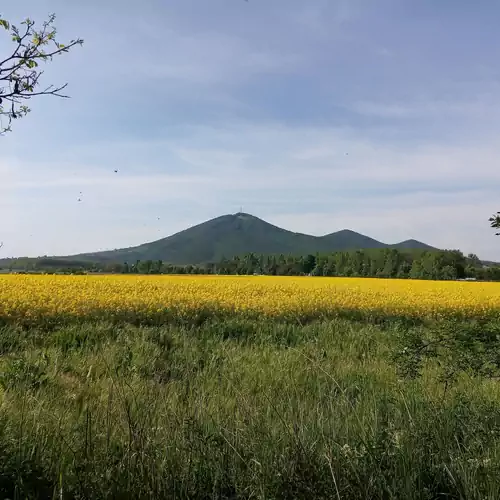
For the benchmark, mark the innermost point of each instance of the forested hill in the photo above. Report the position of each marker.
(240, 234)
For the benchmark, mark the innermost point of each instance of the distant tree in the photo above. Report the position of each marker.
(380, 263)
(448, 273)
(473, 260)
(309, 263)
(416, 271)
(273, 266)
(404, 270)
(20, 73)
(495, 222)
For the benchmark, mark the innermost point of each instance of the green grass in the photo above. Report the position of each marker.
(238, 409)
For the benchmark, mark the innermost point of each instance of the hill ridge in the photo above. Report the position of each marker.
(236, 234)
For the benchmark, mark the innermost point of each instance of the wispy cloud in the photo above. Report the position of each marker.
(479, 107)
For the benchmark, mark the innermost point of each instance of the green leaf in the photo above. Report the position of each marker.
(5, 24)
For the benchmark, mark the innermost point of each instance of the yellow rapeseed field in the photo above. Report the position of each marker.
(33, 299)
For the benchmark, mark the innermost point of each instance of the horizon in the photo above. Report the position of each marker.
(331, 114)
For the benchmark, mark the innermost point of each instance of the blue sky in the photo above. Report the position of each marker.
(382, 117)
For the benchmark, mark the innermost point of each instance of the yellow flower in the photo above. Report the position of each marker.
(32, 299)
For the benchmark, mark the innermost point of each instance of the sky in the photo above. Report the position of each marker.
(319, 115)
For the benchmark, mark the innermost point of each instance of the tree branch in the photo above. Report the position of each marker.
(18, 72)
(495, 222)
(20, 43)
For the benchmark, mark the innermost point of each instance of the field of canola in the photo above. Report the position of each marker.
(156, 299)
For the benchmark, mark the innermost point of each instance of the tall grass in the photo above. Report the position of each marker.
(237, 409)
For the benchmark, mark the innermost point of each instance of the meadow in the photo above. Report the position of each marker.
(248, 387)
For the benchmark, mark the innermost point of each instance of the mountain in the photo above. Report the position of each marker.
(349, 240)
(238, 234)
(412, 245)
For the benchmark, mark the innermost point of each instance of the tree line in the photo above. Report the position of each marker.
(379, 263)
(376, 263)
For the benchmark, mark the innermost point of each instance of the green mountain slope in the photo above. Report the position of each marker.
(238, 234)
(412, 245)
(350, 240)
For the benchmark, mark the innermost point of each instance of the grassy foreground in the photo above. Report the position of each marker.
(240, 408)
